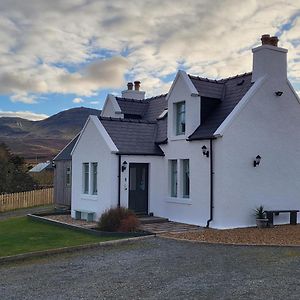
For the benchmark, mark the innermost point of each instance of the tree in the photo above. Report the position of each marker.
(14, 175)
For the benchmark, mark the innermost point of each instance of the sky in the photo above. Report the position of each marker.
(59, 54)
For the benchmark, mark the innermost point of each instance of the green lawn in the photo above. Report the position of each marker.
(21, 235)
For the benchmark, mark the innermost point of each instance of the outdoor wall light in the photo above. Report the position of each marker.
(205, 152)
(53, 164)
(124, 166)
(278, 93)
(256, 161)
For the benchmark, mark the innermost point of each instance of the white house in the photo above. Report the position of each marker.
(189, 155)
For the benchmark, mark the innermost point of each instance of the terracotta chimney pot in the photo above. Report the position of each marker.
(129, 86)
(137, 85)
(266, 39)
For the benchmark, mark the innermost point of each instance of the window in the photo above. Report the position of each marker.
(173, 177)
(180, 118)
(68, 176)
(94, 176)
(86, 179)
(185, 178)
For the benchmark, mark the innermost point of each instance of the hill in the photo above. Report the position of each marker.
(43, 139)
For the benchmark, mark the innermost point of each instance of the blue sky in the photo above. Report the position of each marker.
(59, 54)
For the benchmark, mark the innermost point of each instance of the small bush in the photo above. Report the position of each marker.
(129, 224)
(118, 219)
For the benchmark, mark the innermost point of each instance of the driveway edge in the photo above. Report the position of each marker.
(227, 244)
(49, 252)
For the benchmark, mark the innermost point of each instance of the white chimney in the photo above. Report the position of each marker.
(269, 59)
(135, 94)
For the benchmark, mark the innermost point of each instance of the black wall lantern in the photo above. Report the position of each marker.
(53, 164)
(124, 166)
(205, 151)
(278, 93)
(256, 161)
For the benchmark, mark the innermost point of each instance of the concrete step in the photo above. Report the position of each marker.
(151, 220)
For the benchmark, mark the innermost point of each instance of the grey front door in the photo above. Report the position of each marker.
(138, 188)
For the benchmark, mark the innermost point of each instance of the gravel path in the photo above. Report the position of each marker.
(25, 211)
(158, 269)
(277, 235)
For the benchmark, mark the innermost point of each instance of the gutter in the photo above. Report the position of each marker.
(119, 182)
(211, 185)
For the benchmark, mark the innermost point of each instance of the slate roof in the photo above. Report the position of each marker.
(65, 154)
(229, 91)
(136, 137)
(147, 109)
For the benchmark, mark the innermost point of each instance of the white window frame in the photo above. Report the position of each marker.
(172, 163)
(177, 118)
(94, 182)
(85, 185)
(184, 193)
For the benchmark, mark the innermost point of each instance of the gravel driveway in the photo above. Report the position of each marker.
(158, 269)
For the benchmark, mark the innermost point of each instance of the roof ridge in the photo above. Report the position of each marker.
(127, 120)
(142, 101)
(219, 81)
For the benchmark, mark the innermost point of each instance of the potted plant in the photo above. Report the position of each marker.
(261, 219)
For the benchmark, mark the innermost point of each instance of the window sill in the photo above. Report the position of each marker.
(186, 201)
(178, 137)
(89, 197)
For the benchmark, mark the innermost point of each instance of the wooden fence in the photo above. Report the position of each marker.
(26, 199)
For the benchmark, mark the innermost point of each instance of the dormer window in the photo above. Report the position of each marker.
(180, 117)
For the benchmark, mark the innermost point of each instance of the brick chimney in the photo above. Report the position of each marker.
(269, 59)
(135, 94)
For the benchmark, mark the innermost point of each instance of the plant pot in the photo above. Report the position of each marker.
(262, 223)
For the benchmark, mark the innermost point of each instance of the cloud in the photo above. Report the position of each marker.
(94, 102)
(81, 47)
(78, 100)
(23, 114)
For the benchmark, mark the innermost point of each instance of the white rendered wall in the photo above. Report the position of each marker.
(93, 148)
(268, 126)
(195, 209)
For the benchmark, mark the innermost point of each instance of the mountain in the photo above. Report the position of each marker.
(43, 139)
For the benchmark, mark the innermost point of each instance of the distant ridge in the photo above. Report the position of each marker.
(43, 139)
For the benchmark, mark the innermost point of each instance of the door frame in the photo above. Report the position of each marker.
(147, 184)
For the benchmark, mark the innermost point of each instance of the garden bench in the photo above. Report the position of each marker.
(293, 215)
(89, 218)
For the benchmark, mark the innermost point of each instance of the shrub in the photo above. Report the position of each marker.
(129, 224)
(118, 219)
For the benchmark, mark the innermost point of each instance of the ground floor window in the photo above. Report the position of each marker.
(179, 172)
(68, 176)
(185, 178)
(86, 177)
(173, 177)
(94, 176)
(90, 178)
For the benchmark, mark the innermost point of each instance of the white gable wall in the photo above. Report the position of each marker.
(111, 108)
(92, 147)
(193, 210)
(267, 126)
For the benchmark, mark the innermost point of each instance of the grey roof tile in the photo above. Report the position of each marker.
(132, 136)
(65, 154)
(233, 90)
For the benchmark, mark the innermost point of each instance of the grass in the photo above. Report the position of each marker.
(22, 235)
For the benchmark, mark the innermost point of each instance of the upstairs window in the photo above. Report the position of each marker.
(180, 118)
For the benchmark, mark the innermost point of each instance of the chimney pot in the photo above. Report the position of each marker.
(129, 86)
(266, 39)
(137, 85)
